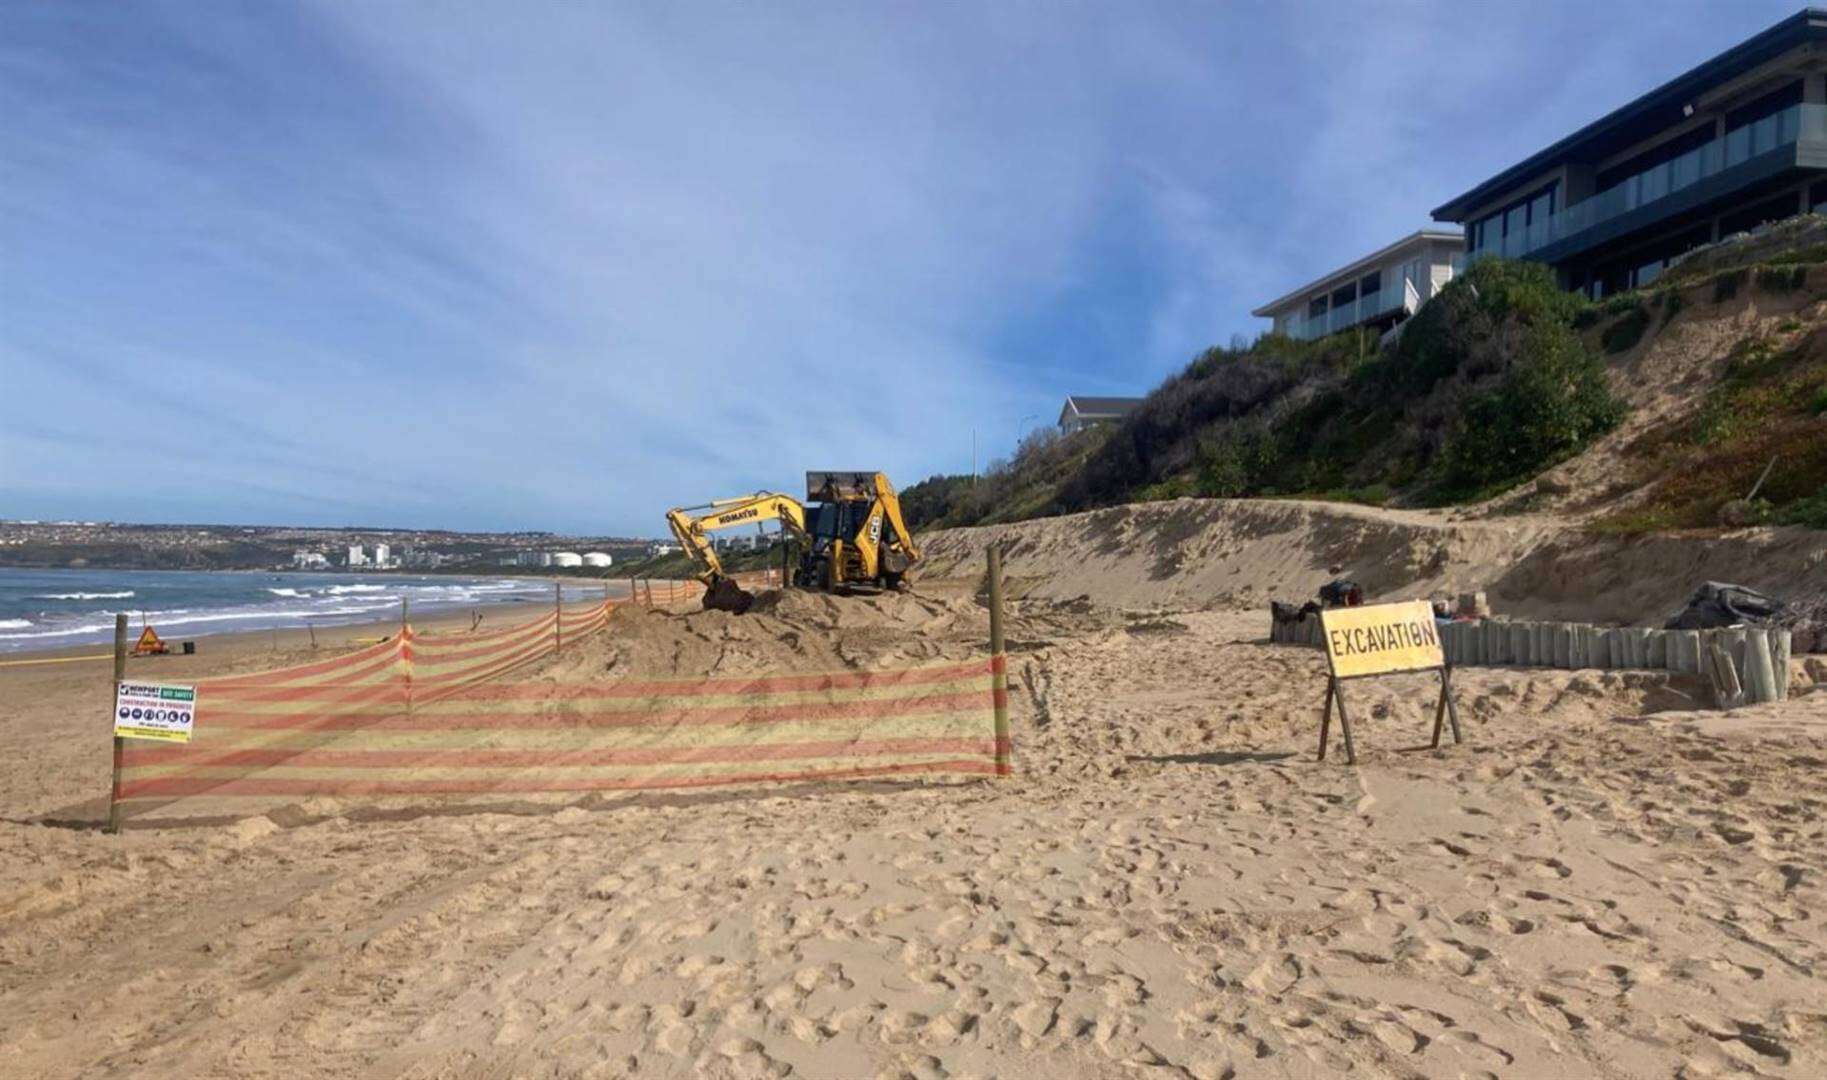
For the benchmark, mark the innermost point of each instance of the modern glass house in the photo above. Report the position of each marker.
(1736, 142)
(1379, 290)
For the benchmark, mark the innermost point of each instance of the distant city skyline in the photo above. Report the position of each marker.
(558, 268)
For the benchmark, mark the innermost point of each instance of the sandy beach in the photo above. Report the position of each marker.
(1606, 879)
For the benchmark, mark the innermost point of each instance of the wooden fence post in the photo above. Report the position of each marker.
(405, 648)
(558, 617)
(120, 744)
(999, 667)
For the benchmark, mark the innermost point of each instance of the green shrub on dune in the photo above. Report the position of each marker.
(1550, 404)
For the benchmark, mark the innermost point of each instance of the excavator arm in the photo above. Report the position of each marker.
(692, 526)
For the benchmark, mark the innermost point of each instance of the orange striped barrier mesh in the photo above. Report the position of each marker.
(355, 731)
(664, 593)
(396, 676)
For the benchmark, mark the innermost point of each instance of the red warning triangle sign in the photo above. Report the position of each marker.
(149, 643)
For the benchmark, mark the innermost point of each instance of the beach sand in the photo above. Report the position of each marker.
(1604, 880)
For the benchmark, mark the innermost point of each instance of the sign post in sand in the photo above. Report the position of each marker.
(120, 745)
(999, 667)
(1382, 639)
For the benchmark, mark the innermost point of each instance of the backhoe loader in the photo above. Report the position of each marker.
(856, 533)
(852, 535)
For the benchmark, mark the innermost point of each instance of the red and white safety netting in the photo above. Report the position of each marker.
(425, 714)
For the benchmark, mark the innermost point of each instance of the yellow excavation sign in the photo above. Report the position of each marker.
(1381, 638)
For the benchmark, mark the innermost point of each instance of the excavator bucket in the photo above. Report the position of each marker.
(725, 595)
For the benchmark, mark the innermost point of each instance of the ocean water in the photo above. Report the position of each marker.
(41, 609)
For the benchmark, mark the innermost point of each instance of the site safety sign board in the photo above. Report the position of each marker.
(1380, 638)
(154, 711)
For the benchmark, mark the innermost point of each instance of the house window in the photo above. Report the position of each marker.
(1676, 147)
(1541, 208)
(1764, 124)
(1316, 307)
(1768, 105)
(1343, 295)
(1517, 229)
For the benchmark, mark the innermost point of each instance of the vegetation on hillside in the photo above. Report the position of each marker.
(1024, 486)
(1764, 419)
(1487, 385)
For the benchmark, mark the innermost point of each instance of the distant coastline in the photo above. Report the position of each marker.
(49, 608)
(44, 545)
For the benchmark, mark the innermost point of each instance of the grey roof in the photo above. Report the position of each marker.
(1653, 111)
(1101, 406)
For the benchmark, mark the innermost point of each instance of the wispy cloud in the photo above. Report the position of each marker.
(566, 265)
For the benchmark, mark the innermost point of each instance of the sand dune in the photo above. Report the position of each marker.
(1604, 881)
(1211, 553)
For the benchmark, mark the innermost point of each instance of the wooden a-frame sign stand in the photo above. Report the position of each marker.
(1445, 712)
(1416, 648)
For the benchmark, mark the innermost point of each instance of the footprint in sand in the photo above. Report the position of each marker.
(1397, 1036)
(1550, 1011)
(1476, 1049)
(1454, 955)
(1274, 975)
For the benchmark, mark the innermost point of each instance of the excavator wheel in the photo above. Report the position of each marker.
(725, 595)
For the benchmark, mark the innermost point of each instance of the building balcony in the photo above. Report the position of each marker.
(1367, 308)
(1794, 137)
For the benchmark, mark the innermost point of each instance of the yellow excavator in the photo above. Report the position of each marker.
(849, 533)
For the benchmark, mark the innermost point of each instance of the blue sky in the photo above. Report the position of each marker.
(560, 266)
